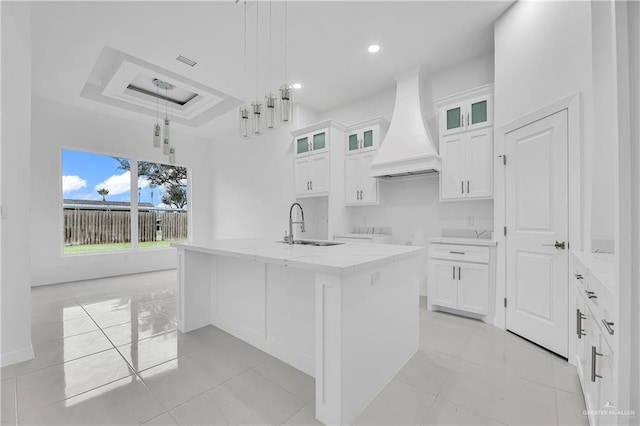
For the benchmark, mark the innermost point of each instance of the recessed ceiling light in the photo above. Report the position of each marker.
(296, 85)
(373, 48)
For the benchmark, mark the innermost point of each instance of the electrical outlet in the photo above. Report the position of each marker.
(375, 278)
(470, 220)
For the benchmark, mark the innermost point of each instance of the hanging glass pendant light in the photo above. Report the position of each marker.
(256, 107)
(286, 105)
(270, 111)
(172, 155)
(166, 130)
(270, 100)
(157, 139)
(244, 116)
(166, 142)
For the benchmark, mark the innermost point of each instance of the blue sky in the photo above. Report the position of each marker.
(84, 173)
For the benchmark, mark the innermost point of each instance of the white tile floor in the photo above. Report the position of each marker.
(108, 352)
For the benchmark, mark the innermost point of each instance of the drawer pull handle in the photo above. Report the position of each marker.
(454, 272)
(578, 276)
(594, 354)
(591, 295)
(608, 325)
(579, 317)
(457, 252)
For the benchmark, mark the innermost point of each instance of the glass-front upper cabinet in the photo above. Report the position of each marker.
(366, 136)
(467, 114)
(311, 143)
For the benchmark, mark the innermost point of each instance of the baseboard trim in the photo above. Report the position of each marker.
(17, 356)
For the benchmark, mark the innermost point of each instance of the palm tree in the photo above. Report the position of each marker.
(104, 192)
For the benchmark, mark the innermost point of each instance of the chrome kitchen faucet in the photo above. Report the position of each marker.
(291, 222)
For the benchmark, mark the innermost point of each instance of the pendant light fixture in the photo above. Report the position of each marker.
(156, 128)
(270, 110)
(256, 106)
(286, 106)
(244, 110)
(165, 135)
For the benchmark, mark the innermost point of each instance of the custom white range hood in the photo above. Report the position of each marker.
(407, 149)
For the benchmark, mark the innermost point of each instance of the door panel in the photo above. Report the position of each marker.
(319, 173)
(369, 185)
(536, 217)
(479, 163)
(451, 175)
(352, 175)
(473, 287)
(445, 289)
(303, 175)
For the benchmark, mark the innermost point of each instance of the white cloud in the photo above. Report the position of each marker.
(121, 184)
(72, 183)
(116, 184)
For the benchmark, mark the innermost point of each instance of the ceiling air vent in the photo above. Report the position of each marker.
(186, 60)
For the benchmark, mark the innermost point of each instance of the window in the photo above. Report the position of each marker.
(162, 206)
(97, 197)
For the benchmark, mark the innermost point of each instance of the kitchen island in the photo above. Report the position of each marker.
(345, 314)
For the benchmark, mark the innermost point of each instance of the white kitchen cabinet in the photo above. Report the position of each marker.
(360, 187)
(311, 174)
(460, 276)
(466, 145)
(466, 111)
(362, 141)
(318, 167)
(467, 166)
(311, 163)
(593, 339)
(366, 135)
(311, 143)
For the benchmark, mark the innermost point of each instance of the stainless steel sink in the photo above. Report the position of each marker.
(313, 243)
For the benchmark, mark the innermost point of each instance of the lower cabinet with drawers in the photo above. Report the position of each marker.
(461, 276)
(593, 337)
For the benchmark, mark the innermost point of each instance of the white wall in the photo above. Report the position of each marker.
(634, 96)
(604, 125)
(411, 207)
(543, 54)
(15, 179)
(56, 127)
(253, 180)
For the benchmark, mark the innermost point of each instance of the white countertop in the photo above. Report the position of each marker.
(600, 265)
(463, 241)
(362, 236)
(342, 258)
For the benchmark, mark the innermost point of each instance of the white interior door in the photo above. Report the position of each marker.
(537, 218)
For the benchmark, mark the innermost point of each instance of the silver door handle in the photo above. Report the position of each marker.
(608, 325)
(311, 186)
(591, 295)
(307, 185)
(467, 187)
(579, 318)
(560, 245)
(459, 273)
(594, 354)
(454, 272)
(578, 276)
(462, 187)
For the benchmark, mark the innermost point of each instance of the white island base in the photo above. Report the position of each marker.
(346, 315)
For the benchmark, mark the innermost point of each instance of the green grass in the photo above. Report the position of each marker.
(101, 248)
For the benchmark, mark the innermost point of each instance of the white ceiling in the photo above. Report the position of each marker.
(327, 50)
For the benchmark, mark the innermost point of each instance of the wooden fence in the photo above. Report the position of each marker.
(82, 227)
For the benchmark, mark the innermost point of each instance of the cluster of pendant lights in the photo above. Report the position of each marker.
(161, 135)
(257, 116)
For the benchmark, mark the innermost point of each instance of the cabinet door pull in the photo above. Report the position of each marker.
(608, 325)
(578, 276)
(462, 187)
(457, 252)
(307, 185)
(594, 354)
(461, 120)
(468, 121)
(459, 273)
(454, 272)
(591, 295)
(467, 187)
(579, 318)
(311, 185)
